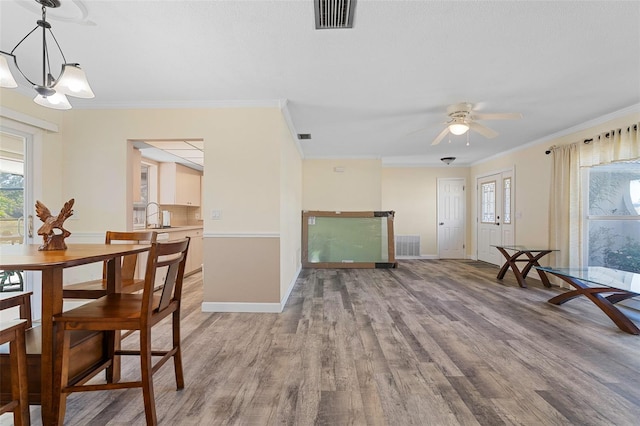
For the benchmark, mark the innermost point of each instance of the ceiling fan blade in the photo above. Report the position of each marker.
(440, 136)
(497, 116)
(483, 130)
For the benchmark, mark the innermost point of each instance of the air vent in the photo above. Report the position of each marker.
(407, 245)
(304, 136)
(334, 13)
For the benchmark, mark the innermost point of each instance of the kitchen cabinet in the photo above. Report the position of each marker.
(179, 185)
(195, 255)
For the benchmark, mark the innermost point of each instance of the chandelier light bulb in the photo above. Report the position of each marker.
(55, 101)
(458, 128)
(6, 78)
(73, 82)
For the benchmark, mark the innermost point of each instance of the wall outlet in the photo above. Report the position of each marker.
(216, 214)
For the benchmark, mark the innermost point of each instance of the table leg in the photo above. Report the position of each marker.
(51, 305)
(511, 263)
(606, 304)
(533, 261)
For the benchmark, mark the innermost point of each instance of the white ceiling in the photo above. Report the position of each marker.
(360, 92)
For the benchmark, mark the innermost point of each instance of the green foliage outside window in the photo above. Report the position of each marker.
(625, 258)
(11, 196)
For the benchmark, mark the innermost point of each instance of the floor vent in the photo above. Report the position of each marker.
(334, 13)
(407, 245)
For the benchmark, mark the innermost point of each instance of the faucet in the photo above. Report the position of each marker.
(146, 215)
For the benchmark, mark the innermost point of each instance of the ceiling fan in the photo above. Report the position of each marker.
(462, 117)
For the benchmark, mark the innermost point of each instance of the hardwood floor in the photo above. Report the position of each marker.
(429, 343)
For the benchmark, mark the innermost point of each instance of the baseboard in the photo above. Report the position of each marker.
(422, 257)
(292, 284)
(273, 308)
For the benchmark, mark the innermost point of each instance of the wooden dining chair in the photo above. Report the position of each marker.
(13, 332)
(97, 288)
(129, 311)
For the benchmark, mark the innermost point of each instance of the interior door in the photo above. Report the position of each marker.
(451, 218)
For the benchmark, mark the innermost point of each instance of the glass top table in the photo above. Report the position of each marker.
(603, 286)
(529, 254)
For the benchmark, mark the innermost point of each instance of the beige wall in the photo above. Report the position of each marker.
(412, 192)
(358, 188)
(290, 208)
(89, 159)
(241, 270)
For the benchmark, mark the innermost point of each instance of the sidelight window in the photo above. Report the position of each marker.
(488, 207)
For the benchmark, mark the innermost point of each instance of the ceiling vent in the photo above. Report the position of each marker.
(304, 136)
(334, 13)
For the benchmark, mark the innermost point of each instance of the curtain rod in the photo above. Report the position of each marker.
(588, 141)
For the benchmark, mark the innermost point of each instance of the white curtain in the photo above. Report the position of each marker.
(564, 207)
(612, 146)
(565, 217)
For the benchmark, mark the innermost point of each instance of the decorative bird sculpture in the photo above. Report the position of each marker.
(52, 231)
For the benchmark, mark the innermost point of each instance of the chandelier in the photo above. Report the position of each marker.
(51, 91)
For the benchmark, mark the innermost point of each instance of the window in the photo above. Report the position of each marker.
(507, 200)
(488, 202)
(612, 222)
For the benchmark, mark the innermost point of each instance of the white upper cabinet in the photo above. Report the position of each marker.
(179, 185)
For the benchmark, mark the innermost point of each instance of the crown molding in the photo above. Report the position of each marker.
(264, 103)
(409, 162)
(574, 129)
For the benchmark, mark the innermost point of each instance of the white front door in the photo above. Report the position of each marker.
(495, 219)
(451, 218)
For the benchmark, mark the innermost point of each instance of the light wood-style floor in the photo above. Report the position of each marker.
(429, 343)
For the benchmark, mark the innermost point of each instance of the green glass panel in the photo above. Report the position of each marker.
(347, 239)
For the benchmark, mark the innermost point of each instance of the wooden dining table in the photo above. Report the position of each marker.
(52, 265)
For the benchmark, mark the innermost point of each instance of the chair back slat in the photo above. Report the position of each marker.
(173, 256)
(129, 262)
(23, 301)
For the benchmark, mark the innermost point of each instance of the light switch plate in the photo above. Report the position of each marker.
(216, 214)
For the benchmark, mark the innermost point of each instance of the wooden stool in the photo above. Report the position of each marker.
(13, 332)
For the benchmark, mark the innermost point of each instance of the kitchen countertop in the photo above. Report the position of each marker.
(173, 229)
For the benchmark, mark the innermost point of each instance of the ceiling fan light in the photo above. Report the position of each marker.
(73, 82)
(55, 101)
(6, 78)
(458, 128)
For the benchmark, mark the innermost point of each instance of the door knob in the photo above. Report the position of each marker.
(497, 223)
